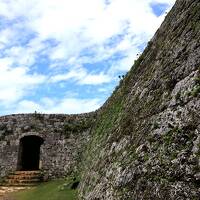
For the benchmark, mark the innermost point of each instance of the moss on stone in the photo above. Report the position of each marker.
(75, 126)
(196, 90)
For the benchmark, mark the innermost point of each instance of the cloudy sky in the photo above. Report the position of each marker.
(64, 56)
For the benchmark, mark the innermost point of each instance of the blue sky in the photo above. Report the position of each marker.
(65, 56)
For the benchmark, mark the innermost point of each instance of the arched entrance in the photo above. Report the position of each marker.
(29, 153)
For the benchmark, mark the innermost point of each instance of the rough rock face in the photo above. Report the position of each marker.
(146, 142)
(64, 139)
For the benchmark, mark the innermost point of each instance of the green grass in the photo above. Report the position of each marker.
(53, 190)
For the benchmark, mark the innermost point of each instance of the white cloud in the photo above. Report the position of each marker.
(26, 106)
(66, 105)
(90, 24)
(25, 55)
(69, 35)
(75, 74)
(5, 36)
(82, 77)
(16, 82)
(95, 79)
(170, 2)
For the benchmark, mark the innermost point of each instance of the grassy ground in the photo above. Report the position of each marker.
(54, 190)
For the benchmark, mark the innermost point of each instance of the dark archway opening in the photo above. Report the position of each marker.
(29, 153)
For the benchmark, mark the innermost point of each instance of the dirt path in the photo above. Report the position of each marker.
(5, 191)
(6, 197)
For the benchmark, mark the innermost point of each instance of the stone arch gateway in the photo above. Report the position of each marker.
(29, 153)
(48, 143)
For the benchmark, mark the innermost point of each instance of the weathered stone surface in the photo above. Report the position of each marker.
(146, 142)
(63, 144)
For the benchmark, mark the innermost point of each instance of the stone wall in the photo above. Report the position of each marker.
(146, 142)
(64, 138)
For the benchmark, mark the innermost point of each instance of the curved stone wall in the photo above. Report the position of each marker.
(64, 138)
